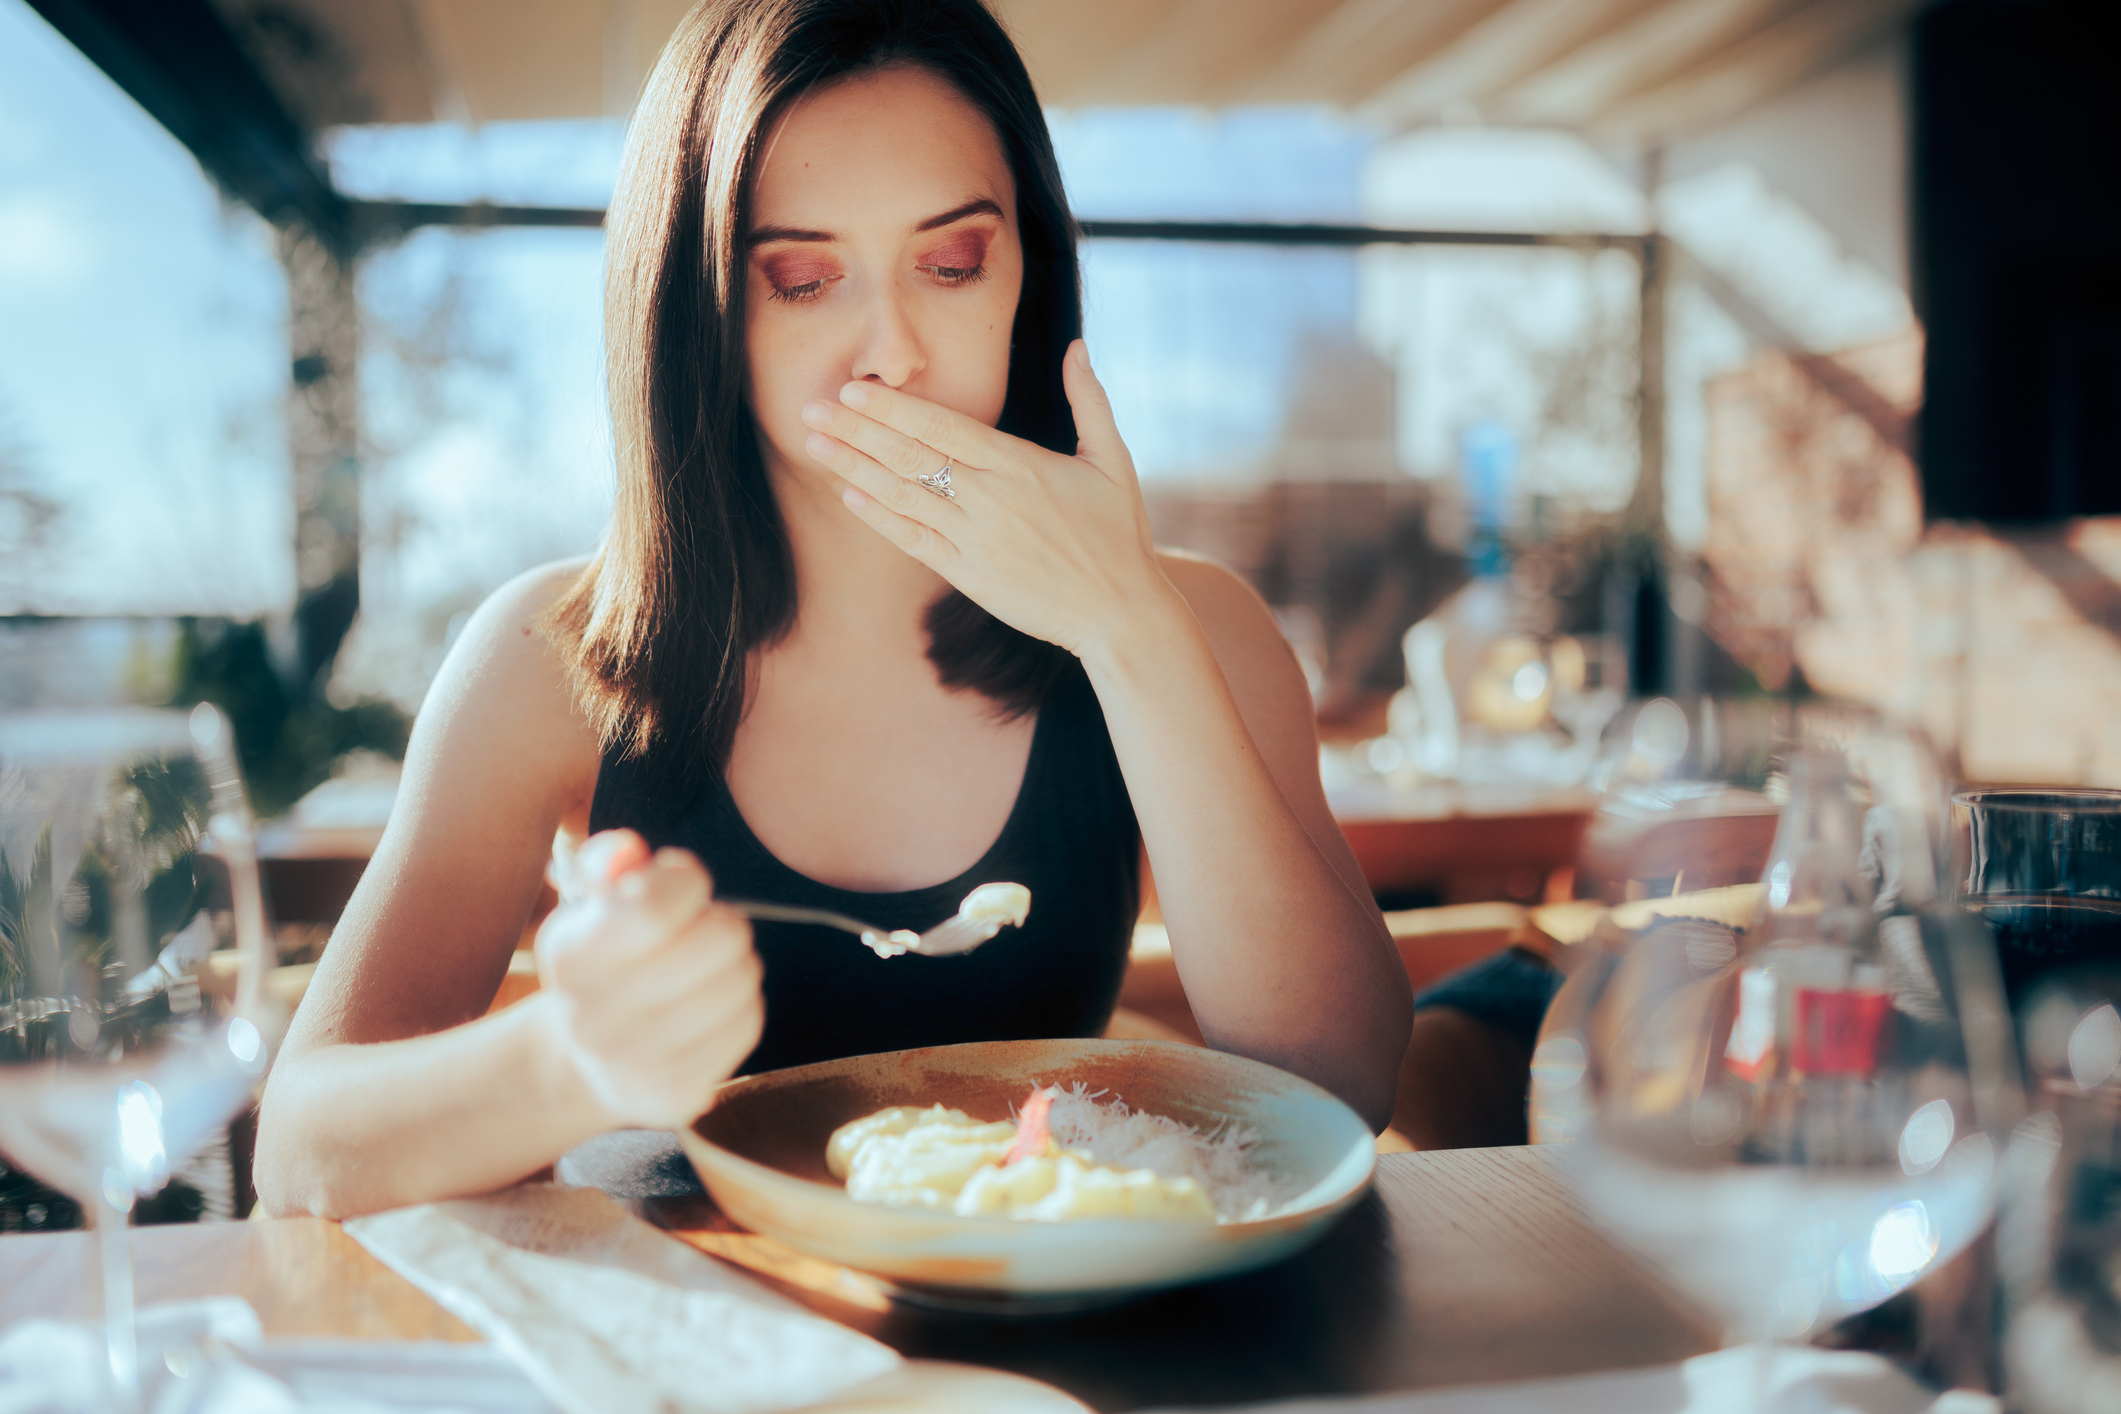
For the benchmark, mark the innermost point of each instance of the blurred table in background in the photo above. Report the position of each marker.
(1449, 844)
(1435, 844)
(310, 872)
(1474, 848)
(1659, 842)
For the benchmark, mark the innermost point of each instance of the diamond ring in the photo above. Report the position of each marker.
(939, 483)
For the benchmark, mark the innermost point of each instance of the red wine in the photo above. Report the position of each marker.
(2037, 934)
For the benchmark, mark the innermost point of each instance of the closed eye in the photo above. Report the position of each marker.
(957, 274)
(798, 275)
(808, 290)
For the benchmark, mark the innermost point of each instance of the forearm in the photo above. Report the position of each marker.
(1281, 959)
(347, 1129)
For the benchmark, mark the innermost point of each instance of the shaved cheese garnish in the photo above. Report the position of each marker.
(1122, 1138)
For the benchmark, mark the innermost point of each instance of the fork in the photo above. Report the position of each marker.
(985, 912)
(976, 920)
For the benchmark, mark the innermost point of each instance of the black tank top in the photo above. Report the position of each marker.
(1071, 838)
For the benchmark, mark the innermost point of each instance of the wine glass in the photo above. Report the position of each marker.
(1783, 1063)
(2043, 868)
(1683, 800)
(126, 858)
(1590, 685)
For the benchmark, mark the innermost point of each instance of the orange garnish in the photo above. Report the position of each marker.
(1031, 1129)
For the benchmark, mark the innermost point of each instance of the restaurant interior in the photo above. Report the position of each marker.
(1680, 444)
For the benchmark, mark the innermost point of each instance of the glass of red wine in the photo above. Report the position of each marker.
(2043, 868)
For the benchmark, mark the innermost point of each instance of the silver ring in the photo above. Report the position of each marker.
(939, 483)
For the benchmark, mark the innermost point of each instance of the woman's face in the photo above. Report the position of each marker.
(883, 246)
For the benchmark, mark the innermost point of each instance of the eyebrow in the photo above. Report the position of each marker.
(978, 206)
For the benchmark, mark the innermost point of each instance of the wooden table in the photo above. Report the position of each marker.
(1470, 1265)
(1462, 844)
(305, 1276)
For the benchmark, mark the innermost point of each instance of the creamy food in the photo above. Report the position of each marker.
(945, 1160)
(997, 903)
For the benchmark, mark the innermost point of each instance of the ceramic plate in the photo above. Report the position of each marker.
(939, 1387)
(761, 1153)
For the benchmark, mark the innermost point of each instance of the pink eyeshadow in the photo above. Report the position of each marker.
(962, 251)
(789, 272)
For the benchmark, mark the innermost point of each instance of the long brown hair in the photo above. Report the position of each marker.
(695, 570)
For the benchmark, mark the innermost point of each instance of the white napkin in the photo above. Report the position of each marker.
(208, 1357)
(607, 1315)
(1800, 1380)
(330, 1374)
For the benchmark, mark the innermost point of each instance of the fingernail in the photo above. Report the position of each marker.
(817, 414)
(1082, 355)
(818, 445)
(855, 395)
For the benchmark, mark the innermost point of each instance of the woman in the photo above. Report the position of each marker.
(877, 619)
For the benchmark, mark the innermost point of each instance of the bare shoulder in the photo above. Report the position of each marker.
(1265, 680)
(1236, 620)
(503, 686)
(498, 760)
(503, 634)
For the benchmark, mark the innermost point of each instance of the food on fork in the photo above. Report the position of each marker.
(986, 911)
(943, 1159)
(997, 903)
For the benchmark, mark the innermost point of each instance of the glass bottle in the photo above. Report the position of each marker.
(1813, 1010)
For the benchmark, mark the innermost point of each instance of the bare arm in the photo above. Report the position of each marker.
(1278, 941)
(394, 1086)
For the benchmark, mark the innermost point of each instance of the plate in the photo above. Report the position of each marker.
(761, 1154)
(940, 1387)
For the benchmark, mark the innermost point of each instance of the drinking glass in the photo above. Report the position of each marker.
(1590, 685)
(2043, 867)
(126, 859)
(1682, 799)
(1783, 1065)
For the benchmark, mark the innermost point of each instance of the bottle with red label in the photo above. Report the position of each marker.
(1813, 1014)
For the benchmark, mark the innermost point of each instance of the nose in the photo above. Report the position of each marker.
(890, 350)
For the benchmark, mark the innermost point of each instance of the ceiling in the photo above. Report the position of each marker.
(1621, 70)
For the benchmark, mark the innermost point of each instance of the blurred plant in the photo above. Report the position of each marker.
(287, 740)
(15, 896)
(168, 812)
(176, 803)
